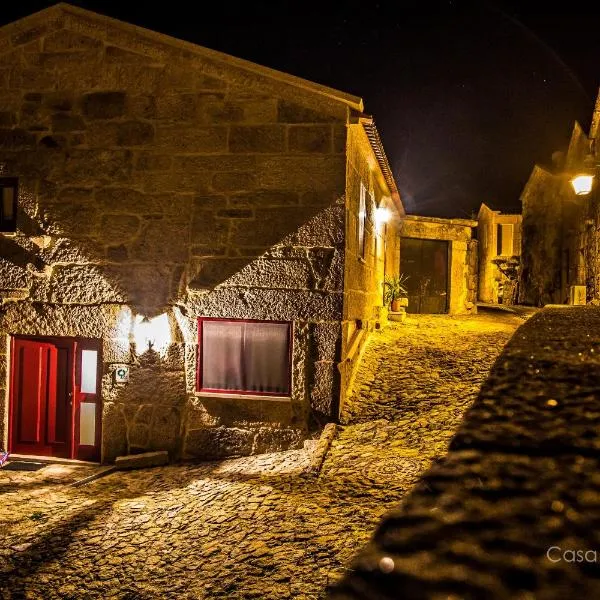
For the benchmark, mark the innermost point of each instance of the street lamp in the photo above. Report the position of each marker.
(582, 184)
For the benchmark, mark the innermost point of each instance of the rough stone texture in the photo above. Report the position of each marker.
(540, 280)
(258, 526)
(512, 511)
(162, 178)
(364, 272)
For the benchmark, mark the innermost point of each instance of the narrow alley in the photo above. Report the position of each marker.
(255, 527)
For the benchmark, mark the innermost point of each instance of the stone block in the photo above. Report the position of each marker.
(84, 284)
(213, 109)
(206, 228)
(218, 442)
(66, 122)
(142, 461)
(267, 304)
(124, 200)
(274, 439)
(176, 107)
(152, 384)
(326, 341)
(256, 110)
(114, 432)
(150, 245)
(204, 202)
(340, 136)
(27, 35)
(72, 220)
(116, 350)
(134, 133)
(194, 139)
(13, 139)
(309, 139)
(153, 162)
(219, 162)
(291, 112)
(257, 139)
(325, 387)
(104, 105)
(13, 277)
(7, 119)
(277, 274)
(232, 182)
(59, 41)
(142, 106)
(98, 165)
(302, 173)
(116, 228)
(117, 254)
(119, 55)
(263, 199)
(148, 287)
(138, 436)
(165, 429)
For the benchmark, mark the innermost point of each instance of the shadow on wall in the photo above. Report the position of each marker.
(120, 245)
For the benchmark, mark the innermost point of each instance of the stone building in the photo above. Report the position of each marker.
(439, 257)
(560, 261)
(191, 255)
(499, 238)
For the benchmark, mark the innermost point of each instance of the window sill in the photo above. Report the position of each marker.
(226, 396)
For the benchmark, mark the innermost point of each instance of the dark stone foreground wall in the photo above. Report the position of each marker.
(522, 477)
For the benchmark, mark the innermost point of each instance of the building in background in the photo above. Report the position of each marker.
(192, 249)
(439, 257)
(560, 261)
(499, 238)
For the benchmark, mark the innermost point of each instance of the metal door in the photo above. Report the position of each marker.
(425, 262)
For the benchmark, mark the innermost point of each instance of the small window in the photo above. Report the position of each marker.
(244, 357)
(8, 204)
(504, 246)
(362, 220)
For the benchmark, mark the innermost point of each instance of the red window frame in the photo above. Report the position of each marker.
(200, 389)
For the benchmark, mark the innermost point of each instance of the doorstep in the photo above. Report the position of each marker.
(52, 460)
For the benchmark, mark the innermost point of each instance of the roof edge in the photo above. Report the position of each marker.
(354, 102)
(368, 123)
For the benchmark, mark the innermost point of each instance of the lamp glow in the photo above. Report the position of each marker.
(582, 184)
(382, 215)
(152, 334)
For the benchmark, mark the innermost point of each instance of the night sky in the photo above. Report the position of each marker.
(467, 96)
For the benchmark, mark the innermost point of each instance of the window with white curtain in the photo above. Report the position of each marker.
(251, 357)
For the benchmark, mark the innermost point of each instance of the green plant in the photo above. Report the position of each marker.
(394, 288)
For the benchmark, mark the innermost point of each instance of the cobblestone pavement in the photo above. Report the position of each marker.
(255, 527)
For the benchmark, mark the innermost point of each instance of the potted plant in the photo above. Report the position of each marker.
(395, 292)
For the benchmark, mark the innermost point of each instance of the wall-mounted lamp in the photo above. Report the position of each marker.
(152, 334)
(582, 184)
(382, 215)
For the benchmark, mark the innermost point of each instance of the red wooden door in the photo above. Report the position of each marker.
(41, 398)
(55, 400)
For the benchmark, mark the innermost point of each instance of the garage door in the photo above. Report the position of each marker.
(426, 264)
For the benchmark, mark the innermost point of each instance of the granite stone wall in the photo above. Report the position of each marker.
(364, 275)
(158, 179)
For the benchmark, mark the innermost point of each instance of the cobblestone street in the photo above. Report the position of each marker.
(257, 527)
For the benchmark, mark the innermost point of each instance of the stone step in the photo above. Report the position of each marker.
(141, 461)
